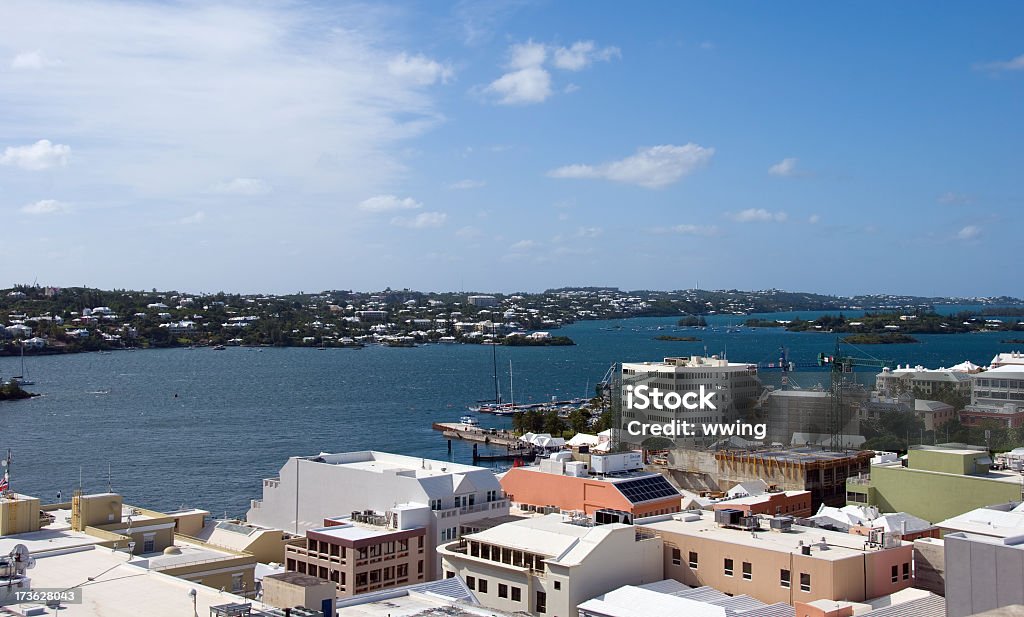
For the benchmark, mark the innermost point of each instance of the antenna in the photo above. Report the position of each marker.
(110, 487)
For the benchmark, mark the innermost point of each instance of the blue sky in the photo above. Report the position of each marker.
(839, 148)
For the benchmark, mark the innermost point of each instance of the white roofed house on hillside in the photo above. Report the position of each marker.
(312, 489)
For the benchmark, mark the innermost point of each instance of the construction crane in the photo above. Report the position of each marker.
(840, 364)
(785, 365)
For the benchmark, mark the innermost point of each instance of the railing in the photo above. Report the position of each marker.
(860, 481)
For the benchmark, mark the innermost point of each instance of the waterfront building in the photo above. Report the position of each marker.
(366, 551)
(482, 301)
(735, 389)
(921, 381)
(997, 395)
(312, 489)
(548, 565)
(821, 472)
(1013, 358)
(783, 563)
(571, 486)
(938, 482)
(933, 413)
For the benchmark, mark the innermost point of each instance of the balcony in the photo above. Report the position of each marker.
(859, 480)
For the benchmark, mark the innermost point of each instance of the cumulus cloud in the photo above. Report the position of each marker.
(38, 156)
(464, 185)
(581, 54)
(389, 203)
(952, 198)
(758, 215)
(527, 80)
(420, 69)
(814, 219)
(242, 186)
(422, 220)
(653, 167)
(969, 232)
(32, 61)
(689, 230)
(785, 167)
(1013, 64)
(45, 206)
(589, 232)
(523, 245)
(193, 219)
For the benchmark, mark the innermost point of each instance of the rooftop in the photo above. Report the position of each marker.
(825, 544)
(987, 522)
(796, 455)
(670, 597)
(554, 536)
(383, 462)
(111, 587)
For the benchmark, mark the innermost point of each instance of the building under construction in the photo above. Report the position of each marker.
(821, 472)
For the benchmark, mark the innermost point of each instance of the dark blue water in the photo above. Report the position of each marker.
(240, 413)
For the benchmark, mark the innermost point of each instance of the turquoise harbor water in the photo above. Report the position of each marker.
(202, 428)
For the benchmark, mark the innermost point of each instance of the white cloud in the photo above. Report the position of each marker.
(1013, 64)
(242, 186)
(969, 233)
(954, 198)
(527, 55)
(521, 87)
(570, 88)
(589, 232)
(758, 215)
(814, 219)
(389, 203)
(469, 232)
(581, 54)
(689, 230)
(463, 185)
(32, 61)
(523, 245)
(45, 206)
(193, 219)
(785, 167)
(420, 69)
(653, 167)
(38, 156)
(422, 220)
(300, 93)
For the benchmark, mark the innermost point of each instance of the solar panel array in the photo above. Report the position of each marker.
(640, 490)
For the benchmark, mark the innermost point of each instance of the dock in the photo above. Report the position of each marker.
(496, 437)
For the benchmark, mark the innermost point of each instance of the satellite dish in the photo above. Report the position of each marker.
(31, 563)
(3, 463)
(20, 556)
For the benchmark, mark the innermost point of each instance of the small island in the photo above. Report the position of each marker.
(1012, 341)
(528, 341)
(887, 338)
(685, 339)
(11, 391)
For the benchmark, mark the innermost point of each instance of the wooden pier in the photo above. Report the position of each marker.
(496, 437)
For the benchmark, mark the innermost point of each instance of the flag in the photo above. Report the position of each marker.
(5, 485)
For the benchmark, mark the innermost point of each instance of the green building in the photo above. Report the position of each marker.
(938, 482)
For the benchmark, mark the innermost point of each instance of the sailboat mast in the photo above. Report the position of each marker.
(511, 390)
(494, 360)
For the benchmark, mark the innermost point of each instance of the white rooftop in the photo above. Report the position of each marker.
(382, 462)
(839, 545)
(553, 536)
(111, 587)
(987, 522)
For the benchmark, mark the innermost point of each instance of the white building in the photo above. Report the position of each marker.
(735, 387)
(548, 565)
(311, 489)
(1014, 358)
(999, 391)
(919, 380)
(482, 300)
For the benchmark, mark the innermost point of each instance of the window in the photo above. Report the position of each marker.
(435, 504)
(389, 573)
(482, 585)
(906, 570)
(448, 574)
(403, 570)
(236, 583)
(374, 577)
(542, 602)
(748, 572)
(471, 582)
(149, 543)
(419, 567)
(558, 585)
(784, 579)
(502, 590)
(361, 579)
(693, 559)
(805, 581)
(517, 594)
(728, 567)
(677, 557)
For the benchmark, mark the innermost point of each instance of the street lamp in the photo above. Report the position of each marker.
(192, 594)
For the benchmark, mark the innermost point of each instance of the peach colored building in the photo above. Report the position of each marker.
(362, 554)
(639, 493)
(785, 503)
(800, 565)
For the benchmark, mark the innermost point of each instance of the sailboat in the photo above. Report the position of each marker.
(21, 380)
